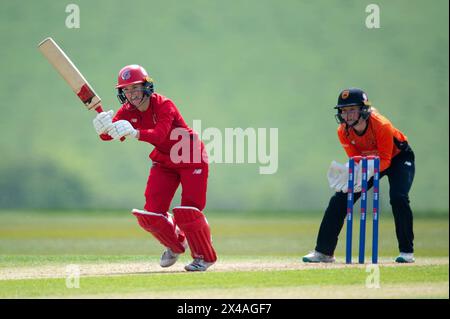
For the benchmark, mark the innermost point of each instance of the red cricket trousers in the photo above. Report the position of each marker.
(163, 182)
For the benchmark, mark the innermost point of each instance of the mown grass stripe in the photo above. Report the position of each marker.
(220, 280)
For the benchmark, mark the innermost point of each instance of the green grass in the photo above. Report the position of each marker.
(164, 284)
(105, 233)
(43, 243)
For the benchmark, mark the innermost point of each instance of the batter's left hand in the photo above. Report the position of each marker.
(122, 128)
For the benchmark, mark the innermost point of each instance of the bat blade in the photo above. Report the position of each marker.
(70, 73)
(62, 63)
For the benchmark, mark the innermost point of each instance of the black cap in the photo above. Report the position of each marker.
(352, 97)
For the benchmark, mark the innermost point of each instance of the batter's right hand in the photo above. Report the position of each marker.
(103, 121)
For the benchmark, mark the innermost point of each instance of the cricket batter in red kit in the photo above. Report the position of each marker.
(150, 117)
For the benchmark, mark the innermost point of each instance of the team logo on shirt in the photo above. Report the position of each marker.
(126, 75)
(345, 94)
(134, 120)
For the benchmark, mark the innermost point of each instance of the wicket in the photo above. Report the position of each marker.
(375, 208)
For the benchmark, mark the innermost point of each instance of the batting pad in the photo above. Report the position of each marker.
(162, 228)
(195, 226)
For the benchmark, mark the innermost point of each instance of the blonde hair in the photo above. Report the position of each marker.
(373, 109)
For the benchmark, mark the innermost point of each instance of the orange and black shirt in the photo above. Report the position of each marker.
(380, 138)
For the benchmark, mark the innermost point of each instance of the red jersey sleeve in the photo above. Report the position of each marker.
(165, 114)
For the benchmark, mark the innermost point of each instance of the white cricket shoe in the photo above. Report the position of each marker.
(405, 258)
(316, 257)
(198, 265)
(169, 258)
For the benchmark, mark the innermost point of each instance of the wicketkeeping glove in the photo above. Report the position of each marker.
(358, 174)
(343, 186)
(121, 128)
(103, 121)
(336, 175)
(357, 178)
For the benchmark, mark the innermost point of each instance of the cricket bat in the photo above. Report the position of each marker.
(78, 83)
(62, 63)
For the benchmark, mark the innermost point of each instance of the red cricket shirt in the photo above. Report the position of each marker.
(155, 126)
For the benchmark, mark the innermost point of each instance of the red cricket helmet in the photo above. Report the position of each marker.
(132, 74)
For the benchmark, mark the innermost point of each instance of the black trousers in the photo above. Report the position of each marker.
(400, 175)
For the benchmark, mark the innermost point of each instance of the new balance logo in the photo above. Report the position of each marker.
(197, 171)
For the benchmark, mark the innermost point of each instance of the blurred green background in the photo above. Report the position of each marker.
(252, 63)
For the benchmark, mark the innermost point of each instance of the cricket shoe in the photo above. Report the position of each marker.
(198, 265)
(169, 258)
(316, 257)
(405, 258)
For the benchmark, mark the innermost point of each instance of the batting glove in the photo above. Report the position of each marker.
(122, 128)
(103, 121)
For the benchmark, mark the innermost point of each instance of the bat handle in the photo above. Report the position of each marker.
(99, 109)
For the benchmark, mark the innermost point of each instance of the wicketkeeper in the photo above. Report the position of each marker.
(363, 131)
(178, 159)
